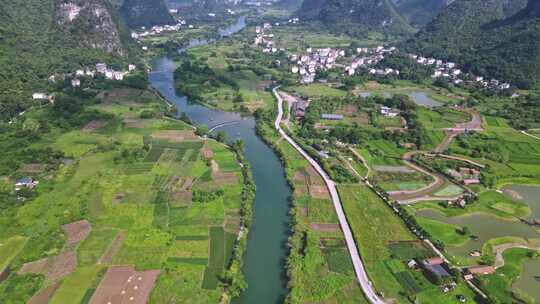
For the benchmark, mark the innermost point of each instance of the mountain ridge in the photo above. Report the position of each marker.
(499, 38)
(147, 13)
(346, 15)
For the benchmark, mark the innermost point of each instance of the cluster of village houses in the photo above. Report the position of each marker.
(158, 29)
(450, 70)
(313, 60)
(100, 68)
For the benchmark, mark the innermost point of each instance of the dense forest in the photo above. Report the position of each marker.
(145, 13)
(419, 12)
(499, 38)
(38, 39)
(353, 16)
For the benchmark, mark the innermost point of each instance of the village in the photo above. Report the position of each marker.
(90, 72)
(364, 61)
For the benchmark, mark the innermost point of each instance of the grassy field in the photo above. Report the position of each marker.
(144, 194)
(9, 249)
(318, 90)
(490, 202)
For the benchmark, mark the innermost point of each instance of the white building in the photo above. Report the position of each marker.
(118, 75)
(75, 83)
(40, 96)
(101, 68)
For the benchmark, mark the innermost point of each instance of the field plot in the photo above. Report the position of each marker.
(9, 249)
(126, 285)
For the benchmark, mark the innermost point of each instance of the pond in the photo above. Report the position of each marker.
(527, 282)
(529, 194)
(483, 225)
(421, 98)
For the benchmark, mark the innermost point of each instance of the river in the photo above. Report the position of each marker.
(264, 260)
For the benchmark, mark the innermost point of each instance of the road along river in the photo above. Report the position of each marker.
(264, 261)
(361, 274)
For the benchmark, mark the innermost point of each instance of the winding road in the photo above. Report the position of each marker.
(361, 275)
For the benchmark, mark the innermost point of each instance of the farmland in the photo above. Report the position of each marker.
(385, 244)
(133, 185)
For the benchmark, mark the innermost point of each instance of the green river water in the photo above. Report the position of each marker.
(264, 261)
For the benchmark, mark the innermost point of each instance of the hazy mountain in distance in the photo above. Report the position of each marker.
(350, 15)
(146, 13)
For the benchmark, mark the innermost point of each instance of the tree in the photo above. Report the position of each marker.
(202, 130)
(221, 136)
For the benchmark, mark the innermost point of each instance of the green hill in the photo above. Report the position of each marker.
(42, 37)
(355, 15)
(419, 12)
(498, 38)
(145, 13)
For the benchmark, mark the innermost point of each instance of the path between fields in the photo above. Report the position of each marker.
(410, 195)
(423, 194)
(500, 249)
(364, 162)
(474, 125)
(361, 275)
(530, 135)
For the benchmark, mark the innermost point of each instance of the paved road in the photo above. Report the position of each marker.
(361, 274)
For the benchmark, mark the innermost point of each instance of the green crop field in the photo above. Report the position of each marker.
(318, 90)
(217, 258)
(9, 249)
(75, 286)
(91, 249)
(405, 251)
(339, 260)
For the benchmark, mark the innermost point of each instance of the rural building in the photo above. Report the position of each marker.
(118, 75)
(299, 109)
(471, 181)
(481, 270)
(131, 67)
(75, 83)
(388, 112)
(332, 116)
(26, 182)
(101, 68)
(435, 269)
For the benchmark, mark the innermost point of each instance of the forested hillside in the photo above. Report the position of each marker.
(354, 16)
(419, 12)
(496, 38)
(42, 37)
(145, 13)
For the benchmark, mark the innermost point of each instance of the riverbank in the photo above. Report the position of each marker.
(269, 229)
